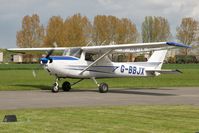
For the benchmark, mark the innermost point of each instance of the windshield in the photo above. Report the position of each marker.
(76, 52)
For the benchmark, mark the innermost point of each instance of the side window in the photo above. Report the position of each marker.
(91, 56)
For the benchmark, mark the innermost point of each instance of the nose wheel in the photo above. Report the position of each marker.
(55, 87)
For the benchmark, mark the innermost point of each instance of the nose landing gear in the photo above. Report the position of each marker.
(55, 87)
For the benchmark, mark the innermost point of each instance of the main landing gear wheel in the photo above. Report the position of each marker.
(66, 86)
(55, 88)
(103, 88)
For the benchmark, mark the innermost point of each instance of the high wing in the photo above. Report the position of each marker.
(32, 50)
(132, 48)
(137, 47)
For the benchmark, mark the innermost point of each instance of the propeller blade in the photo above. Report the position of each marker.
(49, 53)
(52, 50)
(34, 73)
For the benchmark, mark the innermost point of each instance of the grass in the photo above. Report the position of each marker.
(19, 66)
(139, 119)
(19, 77)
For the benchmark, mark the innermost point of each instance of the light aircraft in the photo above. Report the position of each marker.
(92, 62)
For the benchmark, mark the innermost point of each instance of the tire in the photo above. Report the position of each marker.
(66, 86)
(103, 88)
(55, 88)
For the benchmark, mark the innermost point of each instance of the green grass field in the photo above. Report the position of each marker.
(122, 119)
(116, 119)
(19, 77)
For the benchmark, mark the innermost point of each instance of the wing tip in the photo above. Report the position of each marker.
(177, 44)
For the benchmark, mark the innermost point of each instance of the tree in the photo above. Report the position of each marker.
(187, 32)
(126, 31)
(110, 28)
(32, 33)
(77, 30)
(55, 32)
(100, 29)
(113, 23)
(155, 29)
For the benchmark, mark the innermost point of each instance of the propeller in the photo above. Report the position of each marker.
(52, 50)
(49, 53)
(44, 60)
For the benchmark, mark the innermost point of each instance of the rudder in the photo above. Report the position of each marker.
(158, 57)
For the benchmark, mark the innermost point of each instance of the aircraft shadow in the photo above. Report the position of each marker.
(140, 92)
(133, 91)
(42, 87)
(128, 91)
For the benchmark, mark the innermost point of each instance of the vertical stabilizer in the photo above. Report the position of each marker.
(158, 57)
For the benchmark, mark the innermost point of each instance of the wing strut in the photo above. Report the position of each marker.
(101, 57)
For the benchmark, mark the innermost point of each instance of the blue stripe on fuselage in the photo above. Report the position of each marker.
(63, 58)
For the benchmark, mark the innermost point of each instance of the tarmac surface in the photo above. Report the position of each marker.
(47, 99)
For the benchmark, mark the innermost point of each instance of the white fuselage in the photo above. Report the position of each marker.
(71, 67)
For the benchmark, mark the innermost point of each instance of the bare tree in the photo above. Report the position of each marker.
(187, 32)
(126, 31)
(110, 28)
(155, 29)
(55, 32)
(32, 32)
(100, 29)
(77, 30)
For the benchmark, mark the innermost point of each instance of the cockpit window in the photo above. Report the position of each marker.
(76, 52)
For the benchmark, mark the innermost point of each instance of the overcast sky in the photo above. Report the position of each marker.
(13, 11)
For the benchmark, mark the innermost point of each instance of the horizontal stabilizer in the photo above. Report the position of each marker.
(165, 71)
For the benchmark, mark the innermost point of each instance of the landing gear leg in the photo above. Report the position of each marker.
(103, 87)
(55, 87)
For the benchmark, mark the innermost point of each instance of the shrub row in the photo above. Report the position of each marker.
(182, 59)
